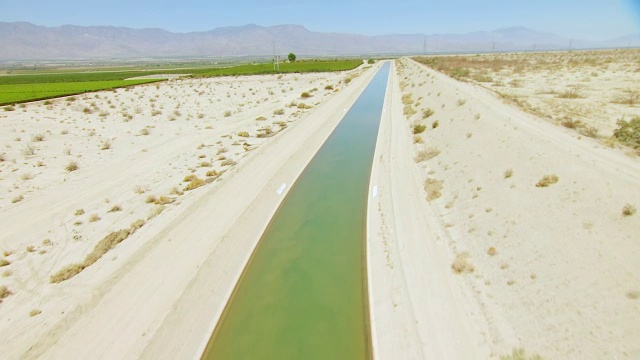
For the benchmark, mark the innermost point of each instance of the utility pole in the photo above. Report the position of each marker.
(275, 60)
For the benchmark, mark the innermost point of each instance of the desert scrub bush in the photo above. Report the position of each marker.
(427, 154)
(459, 73)
(2, 157)
(461, 102)
(4, 262)
(115, 208)
(407, 100)
(212, 173)
(433, 187)
(194, 184)
(520, 354)
(570, 94)
(102, 247)
(278, 112)
(628, 132)
(261, 118)
(94, 218)
(419, 128)
(9, 108)
(35, 312)
(28, 150)
(628, 210)
(305, 95)
(243, 134)
(17, 199)
(508, 173)
(571, 124)
(409, 111)
(462, 264)
(79, 212)
(435, 124)
(105, 144)
(328, 87)
(417, 139)
(227, 162)
(189, 177)
(72, 166)
(304, 106)
(589, 131)
(482, 78)
(630, 97)
(163, 200)
(227, 113)
(205, 164)
(37, 138)
(491, 251)
(426, 113)
(4, 292)
(547, 180)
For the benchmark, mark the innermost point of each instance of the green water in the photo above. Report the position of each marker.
(304, 293)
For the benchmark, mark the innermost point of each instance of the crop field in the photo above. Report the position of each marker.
(15, 93)
(21, 88)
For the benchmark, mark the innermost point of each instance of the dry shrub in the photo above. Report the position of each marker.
(407, 100)
(628, 210)
(35, 312)
(409, 111)
(189, 177)
(17, 199)
(570, 94)
(427, 113)
(491, 251)
(427, 154)
(462, 264)
(261, 118)
(571, 124)
(433, 187)
(508, 173)
(164, 200)
(194, 184)
(547, 180)
(419, 128)
(94, 218)
(519, 354)
(243, 134)
(212, 173)
(628, 132)
(102, 247)
(115, 208)
(227, 162)
(72, 166)
(4, 292)
(4, 262)
(79, 212)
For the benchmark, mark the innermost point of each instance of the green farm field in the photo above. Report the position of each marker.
(21, 88)
(16, 93)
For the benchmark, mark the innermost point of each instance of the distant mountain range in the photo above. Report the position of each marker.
(26, 41)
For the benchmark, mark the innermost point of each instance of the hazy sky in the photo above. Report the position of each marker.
(586, 19)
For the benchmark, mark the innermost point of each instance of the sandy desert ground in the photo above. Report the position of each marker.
(585, 90)
(81, 174)
(498, 230)
(491, 228)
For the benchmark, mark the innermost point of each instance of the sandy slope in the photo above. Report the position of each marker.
(150, 283)
(563, 281)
